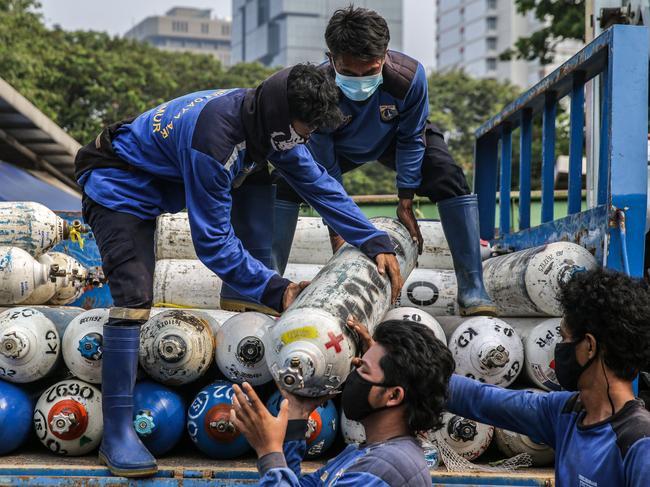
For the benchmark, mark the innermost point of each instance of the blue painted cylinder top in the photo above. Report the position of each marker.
(16, 410)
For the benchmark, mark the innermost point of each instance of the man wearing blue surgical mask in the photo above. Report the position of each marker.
(385, 105)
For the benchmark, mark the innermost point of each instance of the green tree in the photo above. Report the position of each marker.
(84, 80)
(561, 19)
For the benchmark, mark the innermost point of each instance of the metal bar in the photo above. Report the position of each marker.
(548, 156)
(506, 179)
(525, 160)
(605, 124)
(577, 141)
(485, 182)
(627, 91)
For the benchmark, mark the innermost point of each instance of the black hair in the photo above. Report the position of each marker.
(313, 97)
(359, 32)
(420, 363)
(615, 309)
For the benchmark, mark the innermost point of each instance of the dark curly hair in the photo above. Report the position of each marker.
(421, 364)
(359, 32)
(615, 309)
(313, 97)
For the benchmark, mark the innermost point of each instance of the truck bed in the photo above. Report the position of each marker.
(191, 469)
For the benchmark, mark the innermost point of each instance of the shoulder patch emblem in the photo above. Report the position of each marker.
(388, 112)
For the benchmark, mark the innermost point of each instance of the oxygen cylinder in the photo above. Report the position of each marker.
(322, 425)
(158, 416)
(528, 282)
(15, 417)
(467, 437)
(71, 286)
(186, 283)
(68, 418)
(30, 341)
(176, 346)
(539, 337)
(511, 444)
(209, 425)
(240, 348)
(311, 244)
(353, 432)
(487, 349)
(307, 348)
(417, 316)
(20, 275)
(33, 227)
(430, 290)
(82, 344)
(45, 291)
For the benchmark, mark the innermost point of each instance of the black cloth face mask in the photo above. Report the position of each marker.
(567, 368)
(355, 397)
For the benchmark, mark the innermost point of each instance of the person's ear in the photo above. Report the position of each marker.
(395, 396)
(592, 345)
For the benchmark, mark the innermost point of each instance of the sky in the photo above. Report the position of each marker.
(118, 16)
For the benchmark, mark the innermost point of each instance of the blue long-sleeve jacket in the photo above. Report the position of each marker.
(395, 114)
(186, 153)
(395, 463)
(614, 452)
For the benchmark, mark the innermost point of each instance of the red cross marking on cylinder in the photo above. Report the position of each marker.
(335, 341)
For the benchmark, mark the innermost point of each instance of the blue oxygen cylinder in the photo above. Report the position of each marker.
(209, 425)
(158, 416)
(15, 417)
(323, 425)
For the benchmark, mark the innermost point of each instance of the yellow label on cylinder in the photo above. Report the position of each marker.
(296, 334)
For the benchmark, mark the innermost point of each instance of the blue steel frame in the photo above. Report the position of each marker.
(620, 56)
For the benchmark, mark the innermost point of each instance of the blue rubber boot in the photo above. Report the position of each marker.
(252, 219)
(459, 218)
(121, 449)
(286, 218)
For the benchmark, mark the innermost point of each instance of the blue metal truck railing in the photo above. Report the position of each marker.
(620, 57)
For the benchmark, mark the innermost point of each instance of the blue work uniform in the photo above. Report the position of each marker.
(186, 153)
(613, 452)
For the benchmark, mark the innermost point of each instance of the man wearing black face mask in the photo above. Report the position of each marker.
(600, 432)
(398, 388)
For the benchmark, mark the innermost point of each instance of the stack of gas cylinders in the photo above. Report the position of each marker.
(191, 352)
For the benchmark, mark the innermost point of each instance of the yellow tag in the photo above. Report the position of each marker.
(171, 305)
(299, 334)
(75, 236)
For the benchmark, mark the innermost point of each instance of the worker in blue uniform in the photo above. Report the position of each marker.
(385, 104)
(207, 152)
(398, 388)
(599, 431)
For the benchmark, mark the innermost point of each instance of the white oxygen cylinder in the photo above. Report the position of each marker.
(68, 418)
(539, 337)
(485, 348)
(30, 341)
(353, 432)
(71, 286)
(83, 345)
(308, 349)
(176, 346)
(32, 227)
(417, 316)
(186, 283)
(528, 282)
(20, 275)
(240, 352)
(466, 437)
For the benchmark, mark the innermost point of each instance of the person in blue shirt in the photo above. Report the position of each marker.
(207, 152)
(599, 430)
(398, 387)
(385, 104)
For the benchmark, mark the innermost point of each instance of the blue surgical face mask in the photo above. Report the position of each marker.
(358, 88)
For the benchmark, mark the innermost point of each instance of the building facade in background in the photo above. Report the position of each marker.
(186, 29)
(286, 32)
(471, 34)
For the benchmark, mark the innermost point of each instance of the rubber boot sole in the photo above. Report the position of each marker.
(483, 310)
(242, 306)
(130, 472)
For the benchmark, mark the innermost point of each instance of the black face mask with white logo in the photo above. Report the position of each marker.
(567, 368)
(355, 397)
